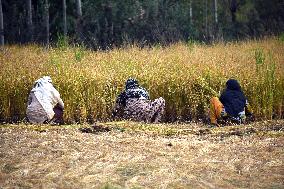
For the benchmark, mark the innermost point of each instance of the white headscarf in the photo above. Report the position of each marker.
(41, 83)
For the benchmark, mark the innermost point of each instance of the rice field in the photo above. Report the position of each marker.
(185, 75)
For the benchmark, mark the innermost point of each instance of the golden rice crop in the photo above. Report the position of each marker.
(187, 76)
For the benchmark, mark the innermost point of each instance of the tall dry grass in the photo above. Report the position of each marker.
(186, 75)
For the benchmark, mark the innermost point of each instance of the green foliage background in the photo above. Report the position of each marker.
(112, 23)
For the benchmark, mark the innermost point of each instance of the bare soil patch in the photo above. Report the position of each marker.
(135, 155)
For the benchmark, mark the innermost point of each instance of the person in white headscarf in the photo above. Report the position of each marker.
(44, 102)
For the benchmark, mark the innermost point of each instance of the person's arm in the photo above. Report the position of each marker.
(148, 96)
(30, 99)
(119, 104)
(222, 97)
(145, 93)
(56, 98)
(60, 103)
(248, 109)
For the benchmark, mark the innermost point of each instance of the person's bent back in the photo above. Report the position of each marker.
(136, 105)
(44, 102)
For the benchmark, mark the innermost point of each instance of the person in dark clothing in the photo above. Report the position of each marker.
(136, 105)
(232, 104)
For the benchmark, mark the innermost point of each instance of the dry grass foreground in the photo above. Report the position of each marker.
(135, 155)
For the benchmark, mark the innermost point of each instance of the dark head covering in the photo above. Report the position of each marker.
(131, 83)
(132, 90)
(233, 98)
(233, 84)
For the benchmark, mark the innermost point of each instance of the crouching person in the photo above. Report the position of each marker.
(44, 103)
(232, 104)
(135, 104)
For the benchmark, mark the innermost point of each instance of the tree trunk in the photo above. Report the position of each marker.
(206, 20)
(46, 21)
(215, 34)
(1, 26)
(190, 11)
(79, 8)
(79, 20)
(64, 19)
(233, 9)
(216, 11)
(30, 20)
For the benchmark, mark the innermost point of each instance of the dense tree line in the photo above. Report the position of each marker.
(107, 23)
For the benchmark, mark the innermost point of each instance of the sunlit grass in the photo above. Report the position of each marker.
(186, 76)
